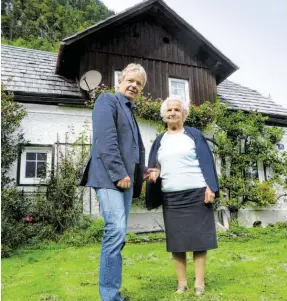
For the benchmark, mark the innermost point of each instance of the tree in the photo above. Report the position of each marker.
(43, 24)
(13, 203)
(12, 139)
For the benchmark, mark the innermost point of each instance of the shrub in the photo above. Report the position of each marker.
(14, 229)
(14, 206)
(234, 228)
(12, 139)
(86, 222)
(73, 237)
(95, 231)
(281, 225)
(61, 206)
(90, 232)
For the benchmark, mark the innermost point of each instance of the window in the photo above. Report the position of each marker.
(179, 87)
(252, 171)
(256, 171)
(116, 78)
(35, 165)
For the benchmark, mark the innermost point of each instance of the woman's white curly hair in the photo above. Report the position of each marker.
(184, 106)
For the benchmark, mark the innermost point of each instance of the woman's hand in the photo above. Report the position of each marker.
(152, 174)
(209, 196)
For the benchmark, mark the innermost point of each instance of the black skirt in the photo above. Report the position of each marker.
(189, 222)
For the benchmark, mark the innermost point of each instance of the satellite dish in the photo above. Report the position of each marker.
(90, 80)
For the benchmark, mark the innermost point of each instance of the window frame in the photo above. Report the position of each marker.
(180, 80)
(116, 78)
(21, 170)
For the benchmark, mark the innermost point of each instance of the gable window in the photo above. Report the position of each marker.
(35, 165)
(179, 87)
(117, 75)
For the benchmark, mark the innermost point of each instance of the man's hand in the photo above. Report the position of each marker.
(124, 183)
(209, 196)
(152, 174)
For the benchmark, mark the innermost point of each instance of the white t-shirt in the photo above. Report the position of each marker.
(179, 164)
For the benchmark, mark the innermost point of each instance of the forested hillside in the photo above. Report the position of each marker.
(42, 24)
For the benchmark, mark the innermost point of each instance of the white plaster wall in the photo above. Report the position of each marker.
(148, 132)
(45, 124)
(246, 217)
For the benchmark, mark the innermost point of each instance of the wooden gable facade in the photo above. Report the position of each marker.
(154, 36)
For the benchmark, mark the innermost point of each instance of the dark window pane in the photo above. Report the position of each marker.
(30, 156)
(41, 170)
(252, 171)
(41, 156)
(30, 170)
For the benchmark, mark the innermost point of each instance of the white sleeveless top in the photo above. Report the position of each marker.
(179, 164)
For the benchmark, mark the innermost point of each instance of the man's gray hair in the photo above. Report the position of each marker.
(184, 106)
(133, 68)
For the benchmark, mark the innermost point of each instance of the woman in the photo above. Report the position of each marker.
(185, 183)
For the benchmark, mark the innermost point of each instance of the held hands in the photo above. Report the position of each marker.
(152, 174)
(209, 196)
(124, 183)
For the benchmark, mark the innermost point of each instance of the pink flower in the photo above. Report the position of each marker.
(28, 219)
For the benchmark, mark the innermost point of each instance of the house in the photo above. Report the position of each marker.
(178, 60)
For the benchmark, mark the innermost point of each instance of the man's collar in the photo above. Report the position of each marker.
(125, 100)
(122, 97)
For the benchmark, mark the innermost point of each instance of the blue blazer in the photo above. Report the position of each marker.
(206, 163)
(113, 154)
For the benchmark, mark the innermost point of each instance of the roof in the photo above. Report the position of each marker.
(242, 98)
(220, 65)
(32, 72)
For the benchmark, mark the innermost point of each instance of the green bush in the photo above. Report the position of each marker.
(38, 232)
(145, 237)
(95, 231)
(90, 232)
(86, 222)
(281, 225)
(131, 236)
(73, 238)
(234, 228)
(14, 229)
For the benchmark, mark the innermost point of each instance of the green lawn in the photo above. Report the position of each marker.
(252, 267)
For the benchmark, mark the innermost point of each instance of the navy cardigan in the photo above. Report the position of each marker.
(206, 163)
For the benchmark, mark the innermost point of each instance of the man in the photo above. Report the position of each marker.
(116, 169)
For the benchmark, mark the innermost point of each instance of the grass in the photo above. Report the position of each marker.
(248, 267)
